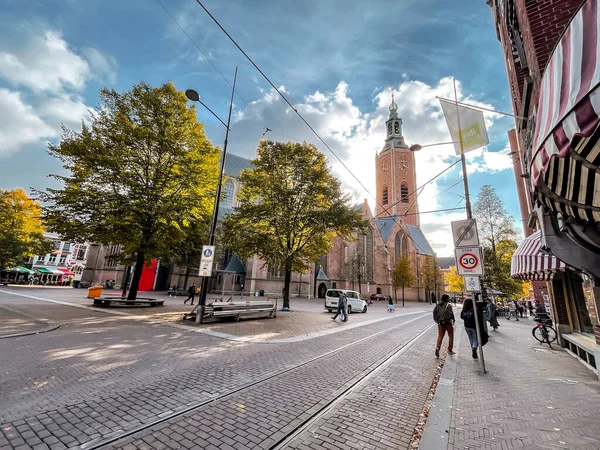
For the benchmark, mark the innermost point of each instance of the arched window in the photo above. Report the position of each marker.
(404, 193)
(227, 195)
(384, 196)
(389, 129)
(369, 253)
(396, 128)
(400, 246)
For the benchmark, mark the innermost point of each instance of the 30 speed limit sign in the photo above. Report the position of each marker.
(468, 261)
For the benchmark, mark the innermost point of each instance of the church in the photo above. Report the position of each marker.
(363, 265)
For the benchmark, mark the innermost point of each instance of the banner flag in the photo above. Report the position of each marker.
(472, 126)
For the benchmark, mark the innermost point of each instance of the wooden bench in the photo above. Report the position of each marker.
(119, 301)
(237, 309)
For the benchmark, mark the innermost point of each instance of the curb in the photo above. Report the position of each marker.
(50, 326)
(29, 333)
(437, 429)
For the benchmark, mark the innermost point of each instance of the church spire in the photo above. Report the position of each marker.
(394, 136)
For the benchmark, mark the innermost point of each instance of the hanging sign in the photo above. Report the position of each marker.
(468, 261)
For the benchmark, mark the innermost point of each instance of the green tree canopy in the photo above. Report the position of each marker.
(138, 176)
(21, 230)
(402, 275)
(290, 207)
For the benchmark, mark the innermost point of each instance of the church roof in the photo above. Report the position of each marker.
(385, 225)
(234, 265)
(235, 164)
(321, 275)
(421, 243)
(446, 262)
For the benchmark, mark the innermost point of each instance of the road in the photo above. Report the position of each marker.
(104, 380)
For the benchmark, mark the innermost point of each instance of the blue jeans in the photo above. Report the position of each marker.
(472, 333)
(341, 310)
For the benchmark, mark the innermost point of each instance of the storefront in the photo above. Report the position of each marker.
(563, 156)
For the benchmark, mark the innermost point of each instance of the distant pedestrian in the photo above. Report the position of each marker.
(191, 293)
(391, 307)
(341, 307)
(492, 313)
(444, 317)
(174, 291)
(468, 316)
(241, 291)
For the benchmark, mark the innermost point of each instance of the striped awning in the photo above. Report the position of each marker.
(529, 263)
(565, 149)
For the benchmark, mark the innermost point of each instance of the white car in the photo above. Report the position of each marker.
(355, 301)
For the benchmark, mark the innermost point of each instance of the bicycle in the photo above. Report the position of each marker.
(543, 330)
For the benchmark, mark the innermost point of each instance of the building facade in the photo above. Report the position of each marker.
(550, 49)
(63, 265)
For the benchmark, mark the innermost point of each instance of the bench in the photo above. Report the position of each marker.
(119, 301)
(237, 309)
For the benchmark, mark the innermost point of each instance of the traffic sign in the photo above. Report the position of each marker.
(206, 261)
(468, 261)
(472, 284)
(465, 233)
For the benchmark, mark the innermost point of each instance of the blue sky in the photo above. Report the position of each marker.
(336, 60)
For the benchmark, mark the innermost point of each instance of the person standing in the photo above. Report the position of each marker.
(242, 290)
(341, 308)
(191, 293)
(444, 317)
(391, 307)
(492, 309)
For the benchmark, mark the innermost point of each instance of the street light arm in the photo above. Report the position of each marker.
(213, 113)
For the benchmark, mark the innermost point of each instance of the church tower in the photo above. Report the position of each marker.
(395, 175)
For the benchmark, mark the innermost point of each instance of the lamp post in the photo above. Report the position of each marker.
(195, 97)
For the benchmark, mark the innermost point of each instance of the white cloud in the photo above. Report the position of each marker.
(45, 63)
(103, 67)
(19, 123)
(355, 136)
(482, 160)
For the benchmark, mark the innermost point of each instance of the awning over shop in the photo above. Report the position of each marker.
(565, 149)
(529, 263)
(66, 271)
(48, 270)
(19, 269)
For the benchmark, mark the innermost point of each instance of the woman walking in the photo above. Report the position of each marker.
(468, 316)
(492, 312)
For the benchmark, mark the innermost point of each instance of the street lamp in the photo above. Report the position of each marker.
(195, 97)
(417, 147)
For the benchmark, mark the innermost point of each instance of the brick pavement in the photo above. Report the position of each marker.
(13, 321)
(100, 373)
(531, 397)
(261, 416)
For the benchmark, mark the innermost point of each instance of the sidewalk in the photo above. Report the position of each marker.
(14, 323)
(531, 397)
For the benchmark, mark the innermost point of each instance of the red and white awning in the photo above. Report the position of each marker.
(565, 151)
(529, 263)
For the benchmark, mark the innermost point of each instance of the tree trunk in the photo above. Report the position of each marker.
(359, 284)
(286, 287)
(137, 276)
(186, 276)
(402, 294)
(395, 294)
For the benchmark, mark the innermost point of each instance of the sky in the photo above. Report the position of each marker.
(336, 61)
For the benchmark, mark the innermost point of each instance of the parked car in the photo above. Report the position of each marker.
(378, 297)
(355, 302)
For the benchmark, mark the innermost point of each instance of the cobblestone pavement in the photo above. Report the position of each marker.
(531, 398)
(13, 321)
(101, 373)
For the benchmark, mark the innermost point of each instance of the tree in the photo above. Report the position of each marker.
(497, 235)
(432, 276)
(290, 207)
(355, 269)
(140, 175)
(456, 283)
(402, 275)
(189, 251)
(21, 230)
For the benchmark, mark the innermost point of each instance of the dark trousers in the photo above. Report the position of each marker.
(190, 297)
(341, 310)
(442, 330)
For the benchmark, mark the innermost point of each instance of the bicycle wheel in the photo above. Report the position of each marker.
(538, 334)
(551, 334)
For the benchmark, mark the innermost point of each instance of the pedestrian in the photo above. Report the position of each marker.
(174, 291)
(191, 293)
(492, 313)
(341, 308)
(391, 307)
(530, 308)
(468, 316)
(242, 290)
(444, 317)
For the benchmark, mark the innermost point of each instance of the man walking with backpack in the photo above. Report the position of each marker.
(444, 317)
(341, 307)
(191, 293)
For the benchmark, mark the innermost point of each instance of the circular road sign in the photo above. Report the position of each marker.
(208, 253)
(469, 261)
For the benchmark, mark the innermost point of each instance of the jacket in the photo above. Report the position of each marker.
(342, 301)
(191, 290)
(443, 314)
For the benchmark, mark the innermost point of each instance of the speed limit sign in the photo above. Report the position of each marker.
(468, 261)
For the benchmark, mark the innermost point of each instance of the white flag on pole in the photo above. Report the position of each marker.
(472, 126)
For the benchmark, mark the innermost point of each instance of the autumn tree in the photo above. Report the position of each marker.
(456, 282)
(290, 207)
(140, 175)
(402, 275)
(21, 230)
(432, 276)
(498, 239)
